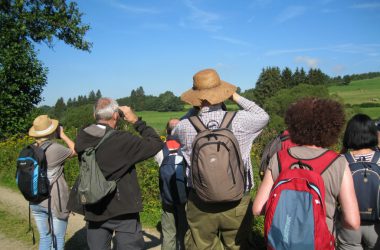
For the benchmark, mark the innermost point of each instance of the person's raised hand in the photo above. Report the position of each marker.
(129, 115)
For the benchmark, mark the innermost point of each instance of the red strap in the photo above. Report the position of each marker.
(319, 164)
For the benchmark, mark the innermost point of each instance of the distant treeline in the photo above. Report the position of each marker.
(275, 89)
(270, 81)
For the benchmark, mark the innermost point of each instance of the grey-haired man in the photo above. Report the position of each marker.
(118, 212)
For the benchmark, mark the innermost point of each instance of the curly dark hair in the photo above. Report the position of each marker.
(314, 121)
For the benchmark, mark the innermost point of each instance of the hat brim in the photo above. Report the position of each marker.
(48, 131)
(213, 95)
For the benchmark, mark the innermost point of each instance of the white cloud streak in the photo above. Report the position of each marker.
(230, 40)
(200, 19)
(136, 9)
(309, 61)
(367, 49)
(290, 13)
(366, 6)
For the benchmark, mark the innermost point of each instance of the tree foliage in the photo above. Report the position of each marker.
(22, 75)
(268, 84)
(277, 105)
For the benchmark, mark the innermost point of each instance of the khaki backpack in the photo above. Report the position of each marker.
(217, 168)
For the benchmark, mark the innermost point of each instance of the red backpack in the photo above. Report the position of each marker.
(295, 216)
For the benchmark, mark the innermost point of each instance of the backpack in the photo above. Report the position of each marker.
(281, 141)
(366, 176)
(31, 173)
(32, 180)
(93, 186)
(172, 174)
(295, 216)
(217, 168)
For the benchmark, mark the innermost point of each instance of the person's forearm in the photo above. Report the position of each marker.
(70, 144)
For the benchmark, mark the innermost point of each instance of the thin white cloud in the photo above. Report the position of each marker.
(230, 40)
(338, 69)
(309, 61)
(290, 13)
(366, 6)
(200, 19)
(367, 49)
(155, 26)
(136, 9)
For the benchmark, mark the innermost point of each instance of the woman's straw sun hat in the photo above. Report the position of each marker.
(43, 126)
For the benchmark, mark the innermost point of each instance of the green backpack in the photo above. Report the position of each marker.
(92, 185)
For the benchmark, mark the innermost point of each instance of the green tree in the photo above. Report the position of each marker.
(316, 77)
(59, 108)
(137, 99)
(169, 102)
(92, 97)
(346, 79)
(286, 78)
(277, 105)
(268, 84)
(98, 94)
(299, 77)
(22, 75)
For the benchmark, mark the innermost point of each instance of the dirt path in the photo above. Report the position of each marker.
(15, 203)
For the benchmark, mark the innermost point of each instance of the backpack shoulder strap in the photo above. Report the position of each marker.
(197, 123)
(227, 119)
(45, 145)
(107, 134)
(349, 158)
(319, 164)
(376, 157)
(284, 135)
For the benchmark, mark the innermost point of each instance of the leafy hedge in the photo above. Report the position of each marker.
(147, 175)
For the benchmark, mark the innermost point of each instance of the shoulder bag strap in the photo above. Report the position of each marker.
(376, 157)
(349, 158)
(197, 123)
(227, 120)
(107, 134)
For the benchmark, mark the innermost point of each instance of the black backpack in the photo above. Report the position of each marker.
(31, 174)
(33, 182)
(172, 181)
(366, 176)
(281, 141)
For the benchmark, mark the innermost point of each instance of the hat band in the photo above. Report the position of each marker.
(41, 132)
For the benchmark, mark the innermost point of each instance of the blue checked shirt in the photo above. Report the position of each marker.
(246, 126)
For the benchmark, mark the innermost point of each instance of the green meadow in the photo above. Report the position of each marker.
(358, 92)
(158, 120)
(362, 91)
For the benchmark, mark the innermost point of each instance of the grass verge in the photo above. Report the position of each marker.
(15, 228)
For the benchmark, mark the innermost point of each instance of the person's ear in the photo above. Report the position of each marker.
(115, 116)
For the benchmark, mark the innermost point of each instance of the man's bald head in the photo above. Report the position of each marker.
(170, 125)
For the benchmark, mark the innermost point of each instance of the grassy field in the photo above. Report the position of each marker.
(362, 91)
(158, 120)
(359, 91)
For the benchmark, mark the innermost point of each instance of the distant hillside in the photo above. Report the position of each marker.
(357, 92)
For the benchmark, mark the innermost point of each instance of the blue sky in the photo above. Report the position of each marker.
(161, 44)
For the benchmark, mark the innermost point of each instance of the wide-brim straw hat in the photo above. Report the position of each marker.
(43, 126)
(207, 86)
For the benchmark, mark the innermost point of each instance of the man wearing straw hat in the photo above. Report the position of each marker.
(215, 224)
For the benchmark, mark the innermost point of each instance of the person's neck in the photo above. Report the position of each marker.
(110, 123)
(362, 151)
